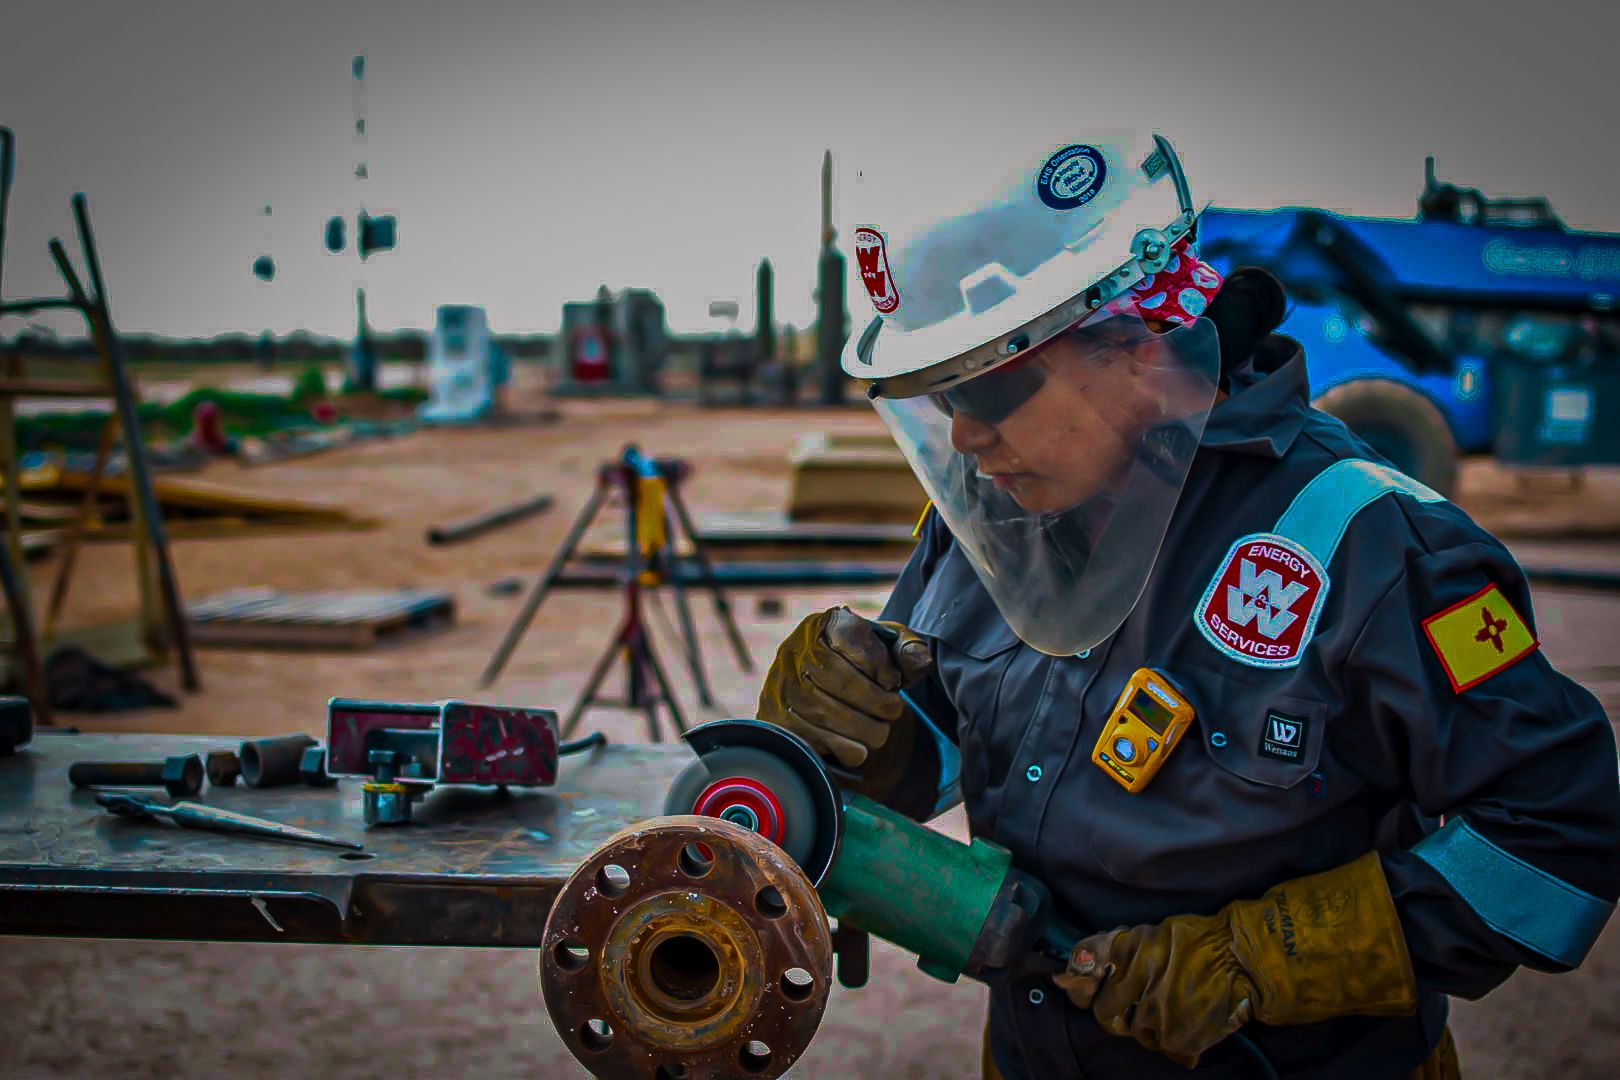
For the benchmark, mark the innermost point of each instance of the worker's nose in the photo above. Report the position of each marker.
(970, 436)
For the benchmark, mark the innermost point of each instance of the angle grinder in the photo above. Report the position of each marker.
(697, 945)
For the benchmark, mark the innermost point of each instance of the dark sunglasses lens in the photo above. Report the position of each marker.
(993, 396)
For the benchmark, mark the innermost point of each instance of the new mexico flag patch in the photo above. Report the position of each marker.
(1477, 637)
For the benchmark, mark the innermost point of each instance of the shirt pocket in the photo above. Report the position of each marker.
(1225, 814)
(1272, 740)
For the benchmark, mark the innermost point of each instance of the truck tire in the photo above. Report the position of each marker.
(1400, 424)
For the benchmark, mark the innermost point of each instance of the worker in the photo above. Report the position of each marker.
(1269, 718)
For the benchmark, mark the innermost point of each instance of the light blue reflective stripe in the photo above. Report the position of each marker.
(1320, 513)
(1515, 899)
(950, 763)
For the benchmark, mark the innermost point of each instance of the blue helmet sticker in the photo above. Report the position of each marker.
(1071, 177)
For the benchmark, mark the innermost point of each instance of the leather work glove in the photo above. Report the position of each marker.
(1310, 949)
(835, 683)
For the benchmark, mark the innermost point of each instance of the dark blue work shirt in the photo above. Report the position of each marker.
(1521, 764)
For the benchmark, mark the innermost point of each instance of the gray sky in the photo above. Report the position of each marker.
(536, 150)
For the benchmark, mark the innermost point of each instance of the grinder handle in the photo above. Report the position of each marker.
(852, 950)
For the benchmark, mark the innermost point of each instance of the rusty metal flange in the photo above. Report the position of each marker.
(686, 948)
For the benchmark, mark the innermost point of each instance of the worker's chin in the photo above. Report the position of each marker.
(1037, 496)
(1031, 495)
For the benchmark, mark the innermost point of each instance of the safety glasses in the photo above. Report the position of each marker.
(997, 394)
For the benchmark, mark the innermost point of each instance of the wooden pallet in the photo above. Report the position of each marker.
(357, 619)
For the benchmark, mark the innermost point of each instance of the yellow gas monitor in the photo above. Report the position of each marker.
(1146, 723)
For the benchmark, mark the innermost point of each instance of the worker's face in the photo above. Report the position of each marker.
(1062, 427)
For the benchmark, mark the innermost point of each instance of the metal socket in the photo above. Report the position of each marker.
(223, 767)
(272, 762)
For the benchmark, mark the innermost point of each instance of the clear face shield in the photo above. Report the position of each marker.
(1058, 471)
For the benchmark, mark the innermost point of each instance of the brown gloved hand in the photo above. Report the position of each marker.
(1310, 949)
(836, 684)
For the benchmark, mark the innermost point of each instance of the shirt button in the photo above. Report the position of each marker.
(1084, 654)
(1033, 773)
(1036, 997)
(1217, 738)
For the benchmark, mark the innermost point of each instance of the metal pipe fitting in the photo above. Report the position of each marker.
(312, 767)
(383, 799)
(687, 946)
(272, 762)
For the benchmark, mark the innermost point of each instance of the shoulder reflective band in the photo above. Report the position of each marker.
(1320, 513)
(1515, 899)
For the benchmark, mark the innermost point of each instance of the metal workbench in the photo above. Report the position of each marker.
(476, 868)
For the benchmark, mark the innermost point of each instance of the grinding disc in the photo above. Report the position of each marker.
(798, 809)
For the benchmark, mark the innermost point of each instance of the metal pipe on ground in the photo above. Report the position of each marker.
(457, 531)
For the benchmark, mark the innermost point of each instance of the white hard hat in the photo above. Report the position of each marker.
(1059, 239)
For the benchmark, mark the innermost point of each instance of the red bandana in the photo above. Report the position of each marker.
(1177, 294)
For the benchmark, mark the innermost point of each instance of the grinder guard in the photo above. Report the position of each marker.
(788, 749)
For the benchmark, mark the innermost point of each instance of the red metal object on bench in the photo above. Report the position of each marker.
(447, 742)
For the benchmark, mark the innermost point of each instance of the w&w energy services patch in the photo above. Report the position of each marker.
(1477, 637)
(1262, 604)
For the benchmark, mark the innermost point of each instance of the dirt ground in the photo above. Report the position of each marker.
(72, 1008)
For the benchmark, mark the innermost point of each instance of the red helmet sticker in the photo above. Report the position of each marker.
(872, 256)
(1261, 607)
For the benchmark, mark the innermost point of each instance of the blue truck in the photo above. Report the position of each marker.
(1480, 326)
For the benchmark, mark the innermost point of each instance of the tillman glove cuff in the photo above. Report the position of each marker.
(1310, 949)
(836, 684)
